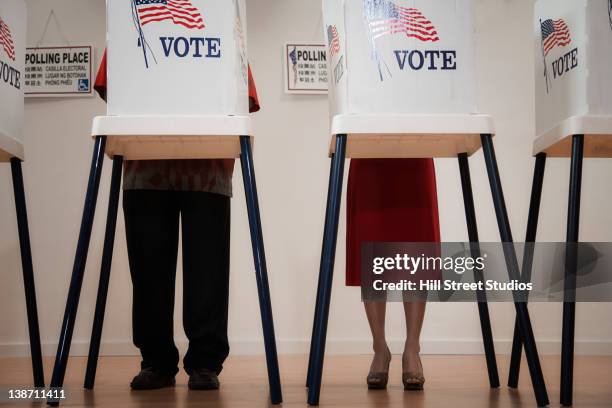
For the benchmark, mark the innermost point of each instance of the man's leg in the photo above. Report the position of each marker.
(151, 225)
(206, 251)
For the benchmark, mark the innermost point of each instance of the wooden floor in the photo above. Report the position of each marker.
(452, 381)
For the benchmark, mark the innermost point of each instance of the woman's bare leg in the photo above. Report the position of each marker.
(414, 312)
(376, 318)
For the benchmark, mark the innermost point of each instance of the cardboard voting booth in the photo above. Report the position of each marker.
(573, 61)
(177, 89)
(13, 23)
(402, 85)
(408, 68)
(12, 59)
(177, 79)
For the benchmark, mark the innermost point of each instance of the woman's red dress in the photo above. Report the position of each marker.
(389, 200)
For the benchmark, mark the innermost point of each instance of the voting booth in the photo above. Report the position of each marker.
(573, 61)
(573, 57)
(12, 60)
(13, 22)
(402, 85)
(177, 89)
(396, 64)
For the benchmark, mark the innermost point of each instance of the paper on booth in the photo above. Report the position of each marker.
(400, 56)
(12, 47)
(573, 60)
(165, 62)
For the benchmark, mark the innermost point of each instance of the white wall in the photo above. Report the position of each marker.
(292, 170)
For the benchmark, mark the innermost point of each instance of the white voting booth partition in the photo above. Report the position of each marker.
(395, 77)
(177, 89)
(13, 22)
(573, 61)
(12, 60)
(573, 49)
(402, 85)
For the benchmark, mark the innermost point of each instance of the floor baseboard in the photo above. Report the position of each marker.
(334, 346)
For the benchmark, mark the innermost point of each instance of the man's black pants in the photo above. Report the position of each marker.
(152, 230)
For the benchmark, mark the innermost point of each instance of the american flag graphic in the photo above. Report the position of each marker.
(333, 39)
(181, 12)
(6, 40)
(386, 18)
(293, 56)
(555, 33)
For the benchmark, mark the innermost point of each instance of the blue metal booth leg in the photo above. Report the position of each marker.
(78, 270)
(28, 272)
(530, 237)
(571, 258)
(261, 273)
(107, 258)
(483, 308)
(326, 269)
(531, 352)
(311, 355)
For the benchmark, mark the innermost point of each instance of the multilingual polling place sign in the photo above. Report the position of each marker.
(305, 68)
(59, 71)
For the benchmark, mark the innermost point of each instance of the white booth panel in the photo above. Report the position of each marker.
(573, 50)
(168, 57)
(402, 80)
(402, 56)
(13, 21)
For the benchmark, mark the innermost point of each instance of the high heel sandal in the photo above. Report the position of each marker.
(379, 380)
(413, 381)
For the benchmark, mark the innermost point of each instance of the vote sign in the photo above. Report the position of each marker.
(12, 47)
(573, 60)
(177, 58)
(400, 56)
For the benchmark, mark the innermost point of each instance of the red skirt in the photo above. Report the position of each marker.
(389, 200)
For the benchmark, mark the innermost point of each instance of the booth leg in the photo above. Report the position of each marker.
(530, 237)
(107, 258)
(483, 308)
(78, 269)
(316, 314)
(28, 272)
(265, 304)
(326, 269)
(537, 378)
(571, 257)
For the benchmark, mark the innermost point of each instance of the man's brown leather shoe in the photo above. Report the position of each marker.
(203, 379)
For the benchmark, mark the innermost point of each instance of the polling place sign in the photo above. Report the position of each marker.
(305, 68)
(59, 71)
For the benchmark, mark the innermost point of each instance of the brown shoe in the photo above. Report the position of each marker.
(203, 379)
(379, 380)
(413, 381)
(151, 379)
